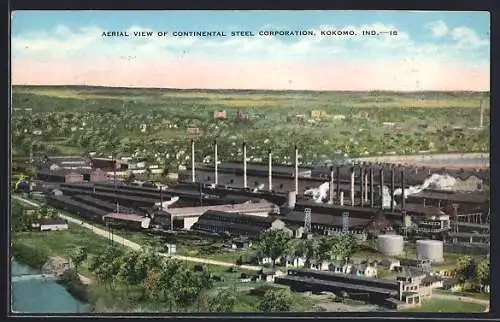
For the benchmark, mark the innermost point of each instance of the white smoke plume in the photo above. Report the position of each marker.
(435, 181)
(164, 205)
(318, 194)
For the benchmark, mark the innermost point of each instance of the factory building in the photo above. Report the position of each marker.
(237, 223)
(324, 224)
(60, 175)
(106, 164)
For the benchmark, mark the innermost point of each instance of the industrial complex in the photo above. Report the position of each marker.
(435, 210)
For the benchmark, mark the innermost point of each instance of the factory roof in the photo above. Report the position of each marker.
(469, 197)
(296, 217)
(126, 217)
(238, 216)
(263, 206)
(261, 167)
(427, 211)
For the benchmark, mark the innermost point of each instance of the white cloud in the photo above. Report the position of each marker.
(437, 28)
(465, 37)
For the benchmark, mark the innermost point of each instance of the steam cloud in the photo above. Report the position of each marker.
(435, 181)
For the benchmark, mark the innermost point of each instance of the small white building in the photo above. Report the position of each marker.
(53, 224)
(340, 267)
(319, 265)
(366, 270)
(295, 261)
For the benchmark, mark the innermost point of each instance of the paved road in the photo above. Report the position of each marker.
(135, 246)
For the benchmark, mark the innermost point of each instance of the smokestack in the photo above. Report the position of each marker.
(371, 188)
(193, 173)
(330, 189)
(244, 165)
(341, 198)
(403, 202)
(270, 157)
(382, 188)
(352, 186)
(361, 186)
(392, 187)
(366, 186)
(338, 182)
(216, 160)
(481, 116)
(296, 170)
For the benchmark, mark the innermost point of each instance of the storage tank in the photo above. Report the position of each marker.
(430, 249)
(390, 245)
(292, 199)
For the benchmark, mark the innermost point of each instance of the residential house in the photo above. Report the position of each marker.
(53, 224)
(294, 261)
(390, 264)
(366, 270)
(268, 275)
(319, 265)
(340, 267)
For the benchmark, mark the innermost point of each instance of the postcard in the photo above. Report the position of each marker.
(250, 161)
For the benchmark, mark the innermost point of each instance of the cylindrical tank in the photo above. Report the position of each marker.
(430, 249)
(390, 245)
(292, 199)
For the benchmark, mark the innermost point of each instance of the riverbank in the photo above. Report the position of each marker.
(35, 294)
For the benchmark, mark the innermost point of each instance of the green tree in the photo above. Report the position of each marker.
(276, 300)
(78, 256)
(273, 244)
(344, 247)
(466, 269)
(222, 301)
(483, 272)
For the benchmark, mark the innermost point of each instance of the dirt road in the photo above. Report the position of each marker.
(135, 246)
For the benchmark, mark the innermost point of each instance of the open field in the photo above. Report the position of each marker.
(448, 306)
(75, 120)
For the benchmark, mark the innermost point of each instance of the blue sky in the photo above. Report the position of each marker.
(424, 38)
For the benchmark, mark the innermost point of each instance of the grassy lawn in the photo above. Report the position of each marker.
(62, 243)
(480, 296)
(448, 306)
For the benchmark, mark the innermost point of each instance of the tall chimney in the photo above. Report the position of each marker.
(352, 186)
(392, 187)
(296, 170)
(216, 161)
(330, 189)
(366, 186)
(371, 188)
(361, 186)
(270, 157)
(244, 165)
(481, 116)
(341, 198)
(403, 202)
(381, 188)
(193, 173)
(338, 182)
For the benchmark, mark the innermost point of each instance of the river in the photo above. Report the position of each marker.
(40, 295)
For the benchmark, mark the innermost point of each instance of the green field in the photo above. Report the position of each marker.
(448, 306)
(76, 120)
